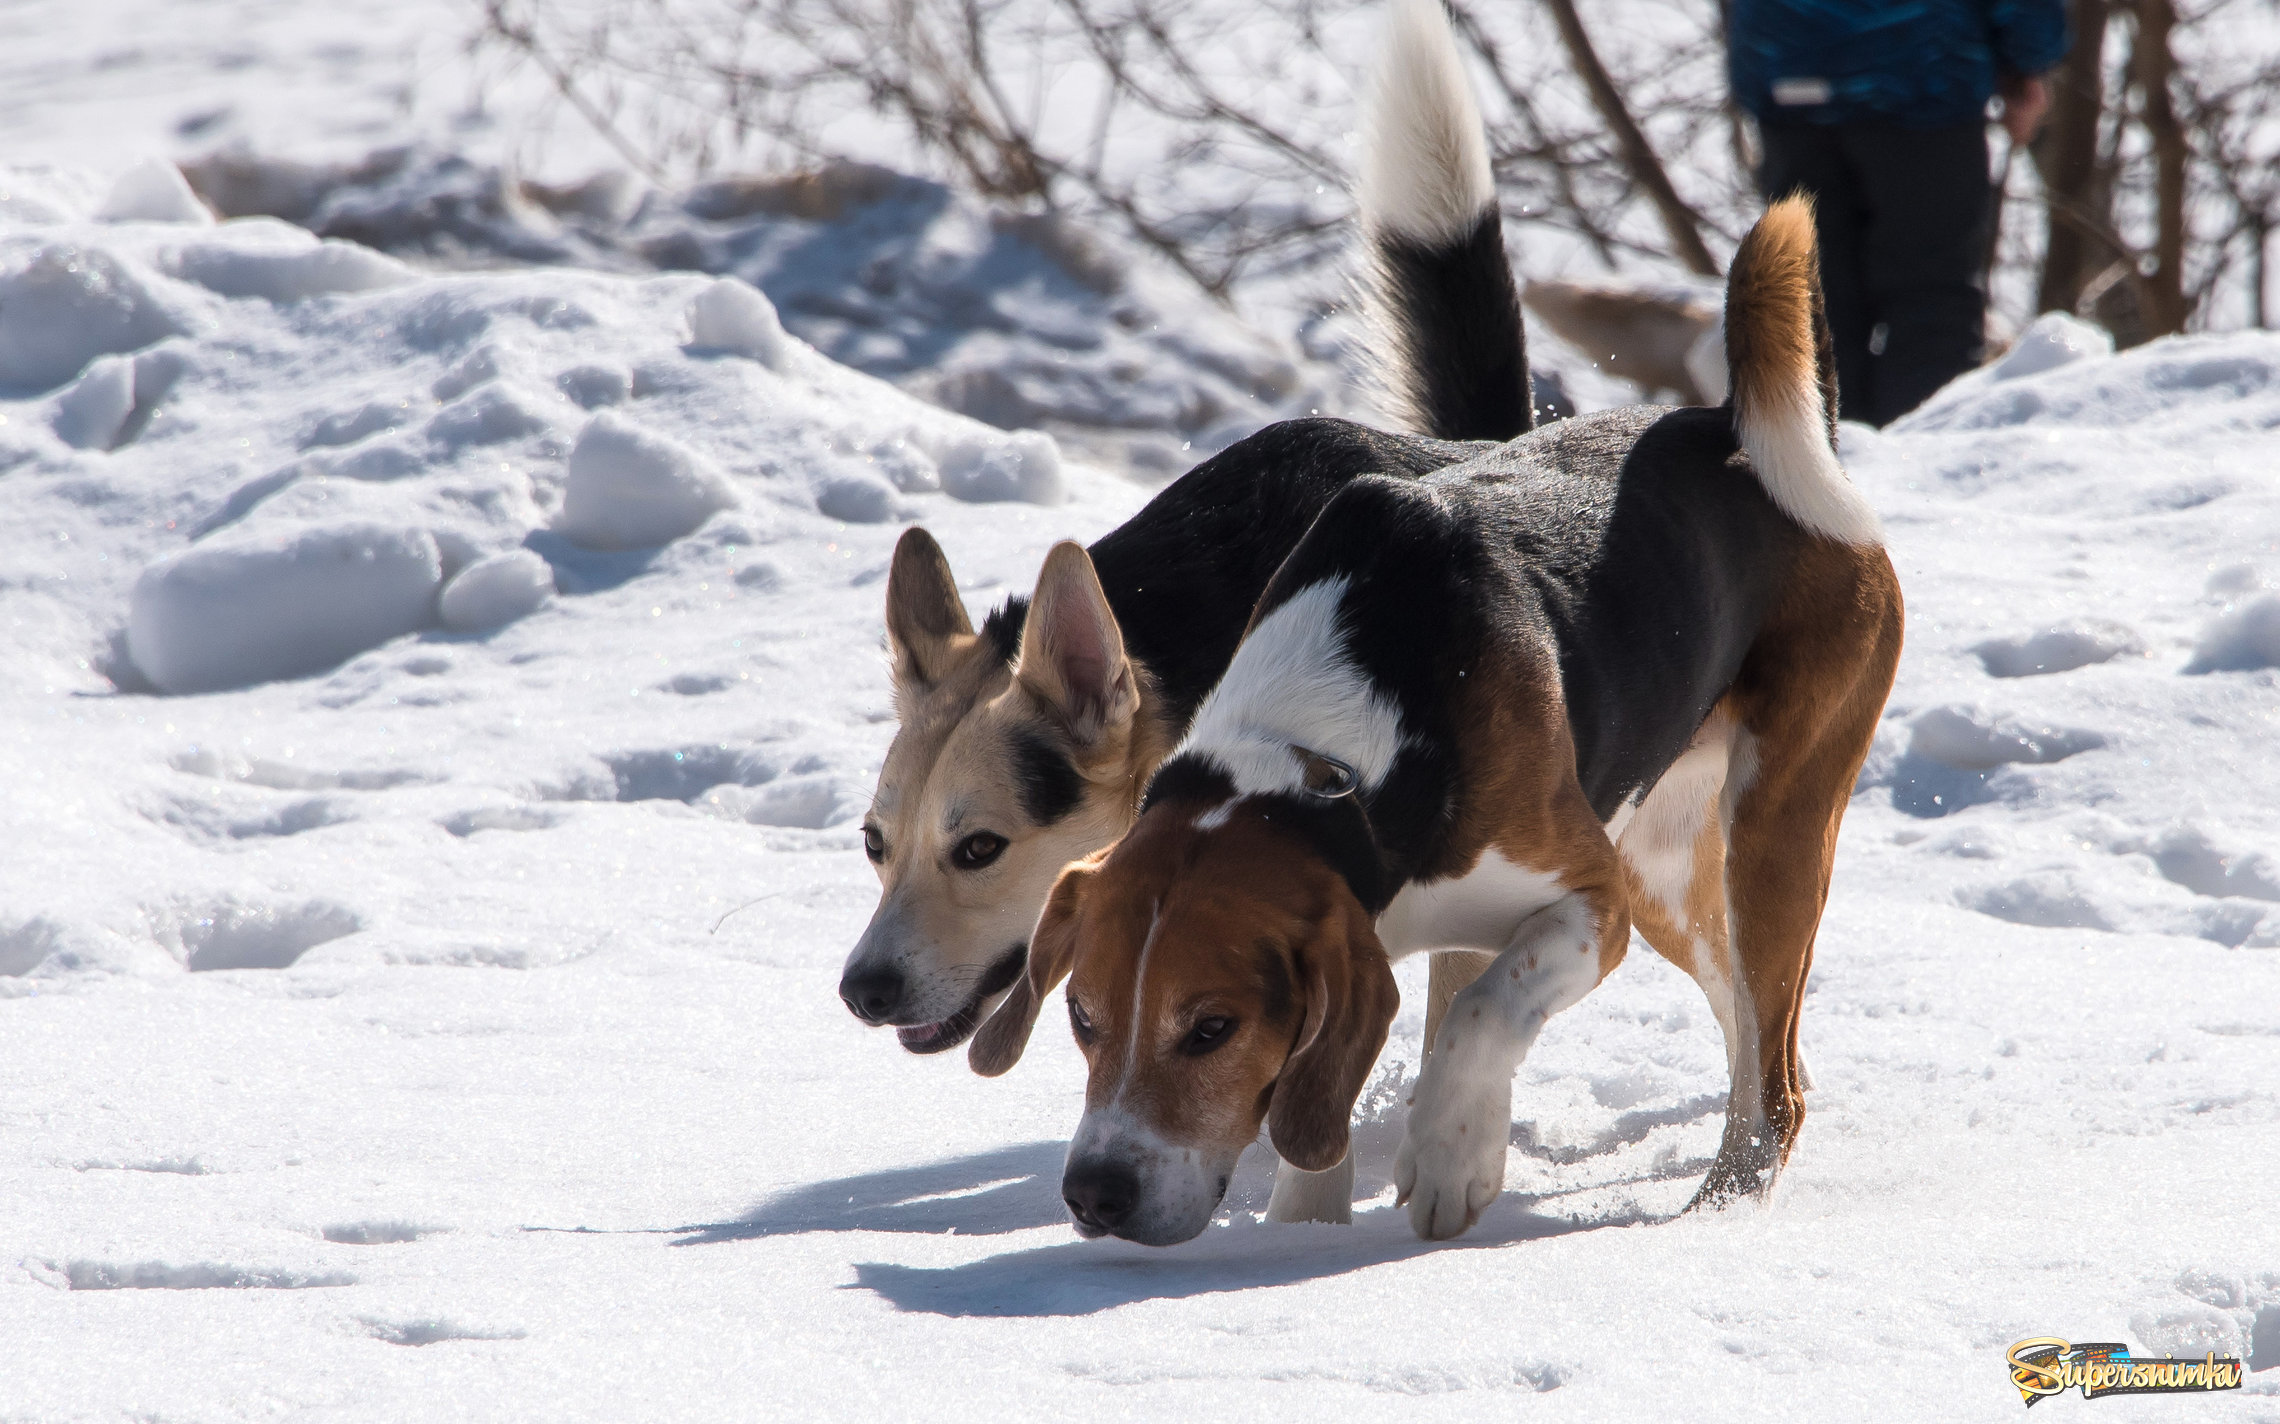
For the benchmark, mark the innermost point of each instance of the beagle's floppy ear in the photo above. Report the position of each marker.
(1052, 950)
(926, 623)
(1350, 1002)
(1072, 653)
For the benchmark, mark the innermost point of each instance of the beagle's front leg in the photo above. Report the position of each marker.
(1313, 1196)
(1451, 1164)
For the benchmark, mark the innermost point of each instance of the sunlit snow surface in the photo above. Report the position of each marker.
(373, 1044)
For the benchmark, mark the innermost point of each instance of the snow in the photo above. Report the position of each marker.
(730, 316)
(237, 611)
(236, 269)
(61, 306)
(440, 1020)
(2244, 637)
(2055, 339)
(495, 591)
(1023, 321)
(153, 190)
(629, 488)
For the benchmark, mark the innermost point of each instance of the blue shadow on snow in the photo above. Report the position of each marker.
(983, 1194)
(1085, 1277)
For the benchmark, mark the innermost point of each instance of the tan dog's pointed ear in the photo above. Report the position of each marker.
(926, 622)
(1350, 1003)
(1052, 950)
(1072, 653)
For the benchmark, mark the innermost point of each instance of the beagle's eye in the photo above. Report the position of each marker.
(1207, 1035)
(977, 850)
(1079, 1024)
(874, 844)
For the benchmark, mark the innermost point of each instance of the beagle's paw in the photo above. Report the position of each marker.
(1451, 1164)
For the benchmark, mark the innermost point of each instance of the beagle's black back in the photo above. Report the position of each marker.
(1632, 544)
(1182, 574)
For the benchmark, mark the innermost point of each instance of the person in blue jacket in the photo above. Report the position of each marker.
(1877, 108)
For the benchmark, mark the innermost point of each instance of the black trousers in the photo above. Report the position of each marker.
(1903, 217)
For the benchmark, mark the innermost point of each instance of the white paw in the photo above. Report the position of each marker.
(1451, 1164)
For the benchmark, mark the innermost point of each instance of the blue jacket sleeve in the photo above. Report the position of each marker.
(2028, 36)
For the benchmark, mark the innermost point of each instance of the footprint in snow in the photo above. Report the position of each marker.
(378, 1233)
(204, 1275)
(1960, 756)
(232, 934)
(432, 1330)
(2060, 648)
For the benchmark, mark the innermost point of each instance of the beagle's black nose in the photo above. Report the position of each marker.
(872, 996)
(1101, 1195)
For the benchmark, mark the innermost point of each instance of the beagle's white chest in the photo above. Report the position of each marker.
(1480, 909)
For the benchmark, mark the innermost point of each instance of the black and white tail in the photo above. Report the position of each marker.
(1782, 377)
(1444, 311)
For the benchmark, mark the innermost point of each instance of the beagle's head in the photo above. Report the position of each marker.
(1221, 973)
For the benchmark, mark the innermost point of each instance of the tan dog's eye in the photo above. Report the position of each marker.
(1079, 1024)
(977, 850)
(1207, 1035)
(874, 844)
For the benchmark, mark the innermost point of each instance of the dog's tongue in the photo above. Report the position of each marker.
(919, 1037)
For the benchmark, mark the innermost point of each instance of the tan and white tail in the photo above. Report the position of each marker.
(1782, 372)
(1444, 312)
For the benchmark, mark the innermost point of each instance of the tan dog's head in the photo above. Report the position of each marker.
(1219, 975)
(1015, 756)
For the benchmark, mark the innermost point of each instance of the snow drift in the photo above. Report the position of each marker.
(249, 610)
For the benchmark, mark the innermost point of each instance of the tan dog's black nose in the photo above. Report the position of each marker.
(1101, 1195)
(872, 996)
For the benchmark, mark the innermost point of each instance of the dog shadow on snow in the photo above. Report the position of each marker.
(1017, 1188)
(983, 1194)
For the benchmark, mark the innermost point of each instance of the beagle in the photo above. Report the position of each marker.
(1617, 673)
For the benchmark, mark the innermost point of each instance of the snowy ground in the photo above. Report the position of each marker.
(372, 1043)
(383, 127)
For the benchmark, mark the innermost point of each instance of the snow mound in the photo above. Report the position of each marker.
(492, 592)
(322, 269)
(91, 413)
(2064, 379)
(631, 488)
(857, 499)
(1017, 319)
(153, 190)
(67, 305)
(2063, 648)
(2244, 638)
(2054, 340)
(234, 935)
(268, 607)
(730, 316)
(1971, 740)
(1026, 466)
(27, 945)
(241, 395)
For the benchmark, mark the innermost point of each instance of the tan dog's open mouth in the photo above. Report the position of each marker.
(945, 1034)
